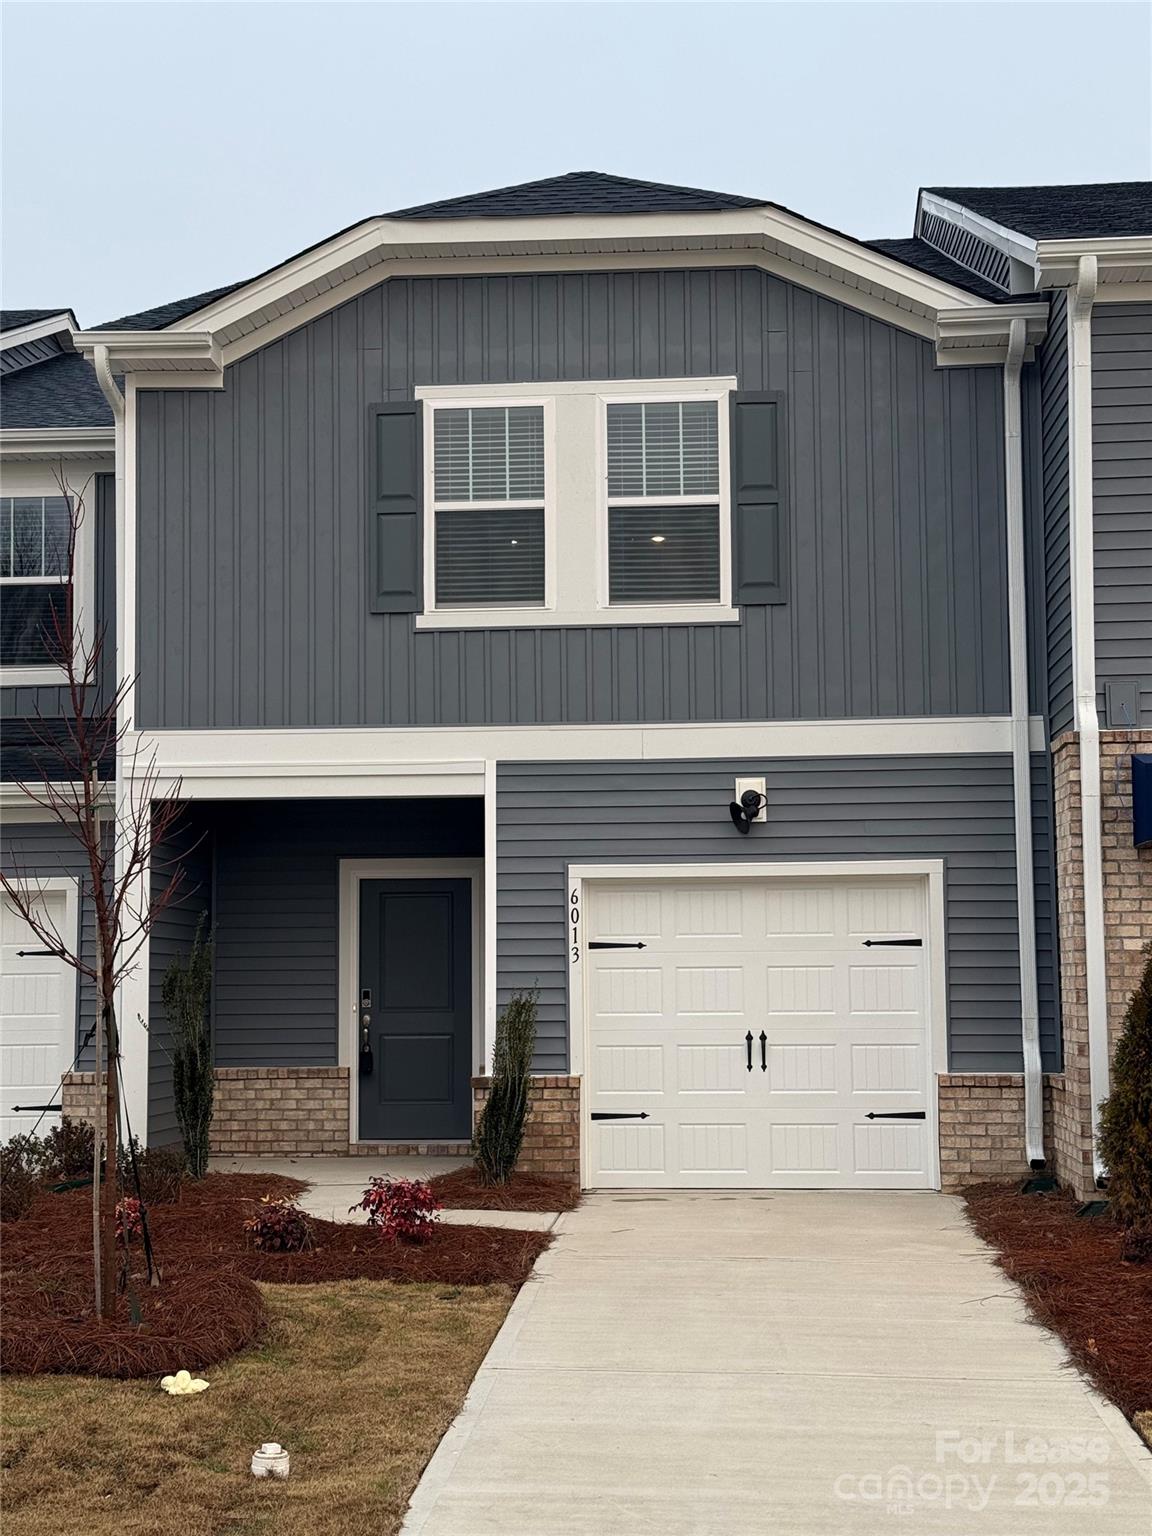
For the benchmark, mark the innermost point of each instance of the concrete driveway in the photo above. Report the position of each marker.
(698, 1364)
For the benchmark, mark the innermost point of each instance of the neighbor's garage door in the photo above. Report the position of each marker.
(770, 1033)
(36, 1020)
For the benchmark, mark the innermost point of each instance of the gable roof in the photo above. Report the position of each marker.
(59, 392)
(926, 258)
(578, 192)
(17, 319)
(167, 314)
(1081, 210)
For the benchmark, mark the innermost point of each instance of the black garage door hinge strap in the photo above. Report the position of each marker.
(612, 944)
(636, 1114)
(893, 943)
(897, 1114)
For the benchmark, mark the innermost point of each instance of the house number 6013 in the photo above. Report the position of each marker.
(574, 920)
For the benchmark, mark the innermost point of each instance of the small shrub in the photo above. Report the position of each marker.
(1126, 1116)
(400, 1210)
(279, 1226)
(129, 1219)
(19, 1178)
(26, 1151)
(500, 1133)
(186, 990)
(162, 1171)
(69, 1149)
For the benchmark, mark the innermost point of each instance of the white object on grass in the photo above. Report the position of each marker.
(271, 1460)
(182, 1384)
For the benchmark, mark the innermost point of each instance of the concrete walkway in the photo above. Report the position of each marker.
(335, 1184)
(793, 1363)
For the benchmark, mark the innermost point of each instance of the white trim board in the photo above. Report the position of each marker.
(352, 872)
(931, 871)
(37, 330)
(449, 760)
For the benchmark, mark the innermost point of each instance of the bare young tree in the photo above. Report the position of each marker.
(121, 849)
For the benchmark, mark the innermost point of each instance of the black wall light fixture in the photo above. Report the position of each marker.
(745, 810)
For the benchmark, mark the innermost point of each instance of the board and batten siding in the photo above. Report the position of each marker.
(959, 809)
(1122, 500)
(51, 701)
(188, 849)
(253, 517)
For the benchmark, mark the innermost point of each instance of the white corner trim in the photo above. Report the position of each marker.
(1082, 559)
(1021, 748)
(351, 873)
(931, 871)
(491, 890)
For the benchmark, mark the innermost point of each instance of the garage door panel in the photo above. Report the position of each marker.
(36, 1021)
(838, 1030)
(629, 913)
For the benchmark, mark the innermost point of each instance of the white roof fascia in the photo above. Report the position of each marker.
(1010, 241)
(38, 330)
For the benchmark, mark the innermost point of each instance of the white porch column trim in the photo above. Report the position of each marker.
(490, 901)
(1082, 554)
(132, 995)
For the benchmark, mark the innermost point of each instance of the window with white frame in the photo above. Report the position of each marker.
(663, 501)
(490, 491)
(35, 606)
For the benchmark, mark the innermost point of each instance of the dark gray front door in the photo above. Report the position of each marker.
(416, 996)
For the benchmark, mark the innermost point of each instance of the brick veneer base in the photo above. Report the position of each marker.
(281, 1112)
(78, 1096)
(982, 1126)
(1127, 877)
(552, 1133)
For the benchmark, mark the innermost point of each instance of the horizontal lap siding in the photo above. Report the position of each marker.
(960, 809)
(276, 913)
(252, 510)
(1122, 498)
(188, 850)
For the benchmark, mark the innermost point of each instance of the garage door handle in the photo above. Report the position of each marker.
(897, 1114)
(763, 1051)
(748, 1043)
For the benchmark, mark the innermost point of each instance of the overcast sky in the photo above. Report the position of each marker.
(154, 150)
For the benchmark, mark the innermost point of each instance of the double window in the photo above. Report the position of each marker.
(35, 606)
(591, 503)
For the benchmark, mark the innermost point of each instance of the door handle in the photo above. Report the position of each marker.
(763, 1051)
(748, 1043)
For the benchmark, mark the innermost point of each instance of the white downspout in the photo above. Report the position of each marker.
(132, 998)
(1021, 749)
(1087, 721)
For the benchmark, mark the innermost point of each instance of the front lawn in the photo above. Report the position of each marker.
(1077, 1283)
(357, 1379)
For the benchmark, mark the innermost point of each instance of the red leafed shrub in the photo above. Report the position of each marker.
(279, 1226)
(129, 1221)
(401, 1210)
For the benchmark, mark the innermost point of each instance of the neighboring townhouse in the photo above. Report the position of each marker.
(471, 566)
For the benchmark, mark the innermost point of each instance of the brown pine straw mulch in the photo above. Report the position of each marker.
(207, 1306)
(1076, 1282)
(462, 1190)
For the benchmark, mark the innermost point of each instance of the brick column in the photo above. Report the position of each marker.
(552, 1133)
(1127, 873)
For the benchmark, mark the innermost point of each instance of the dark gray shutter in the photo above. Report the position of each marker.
(396, 582)
(759, 513)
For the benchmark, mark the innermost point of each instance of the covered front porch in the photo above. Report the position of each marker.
(347, 1000)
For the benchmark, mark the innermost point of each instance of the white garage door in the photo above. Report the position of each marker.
(37, 1000)
(769, 1033)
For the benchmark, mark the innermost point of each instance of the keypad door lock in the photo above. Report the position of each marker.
(366, 1062)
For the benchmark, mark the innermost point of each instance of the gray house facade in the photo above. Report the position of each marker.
(647, 598)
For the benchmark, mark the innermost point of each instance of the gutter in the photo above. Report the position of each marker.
(1087, 722)
(1021, 748)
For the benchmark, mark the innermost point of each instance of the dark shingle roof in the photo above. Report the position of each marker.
(926, 258)
(59, 392)
(1061, 213)
(15, 319)
(587, 192)
(167, 314)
